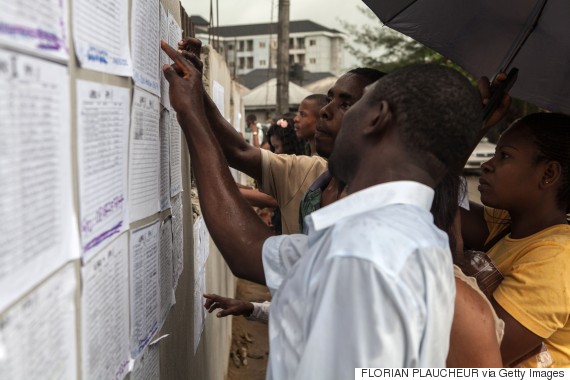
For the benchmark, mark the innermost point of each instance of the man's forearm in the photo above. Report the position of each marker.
(239, 154)
(235, 228)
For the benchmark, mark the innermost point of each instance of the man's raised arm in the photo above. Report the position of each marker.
(239, 154)
(235, 228)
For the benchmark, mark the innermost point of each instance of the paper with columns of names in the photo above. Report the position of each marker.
(201, 251)
(175, 155)
(145, 292)
(177, 240)
(165, 270)
(144, 155)
(147, 366)
(164, 86)
(145, 34)
(174, 31)
(174, 35)
(38, 233)
(105, 313)
(102, 134)
(37, 335)
(36, 27)
(164, 187)
(101, 35)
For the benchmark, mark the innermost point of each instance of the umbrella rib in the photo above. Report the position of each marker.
(400, 11)
(523, 37)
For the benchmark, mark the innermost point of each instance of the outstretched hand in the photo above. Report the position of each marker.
(190, 48)
(229, 306)
(485, 88)
(185, 79)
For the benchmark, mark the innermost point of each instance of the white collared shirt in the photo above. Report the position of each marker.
(371, 285)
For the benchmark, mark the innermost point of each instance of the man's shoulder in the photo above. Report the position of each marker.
(293, 168)
(292, 159)
(377, 235)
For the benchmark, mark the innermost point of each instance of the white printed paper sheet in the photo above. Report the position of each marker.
(165, 270)
(145, 34)
(38, 233)
(102, 134)
(164, 59)
(177, 239)
(175, 155)
(174, 31)
(144, 156)
(105, 313)
(145, 293)
(147, 366)
(164, 185)
(37, 335)
(35, 27)
(101, 36)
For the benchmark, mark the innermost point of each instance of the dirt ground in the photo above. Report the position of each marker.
(249, 338)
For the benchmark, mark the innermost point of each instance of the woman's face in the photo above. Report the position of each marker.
(511, 179)
(277, 144)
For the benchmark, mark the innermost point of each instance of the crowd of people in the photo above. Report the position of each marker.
(368, 268)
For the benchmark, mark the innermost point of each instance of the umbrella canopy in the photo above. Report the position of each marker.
(264, 95)
(488, 36)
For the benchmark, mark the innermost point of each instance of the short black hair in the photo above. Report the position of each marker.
(319, 99)
(369, 74)
(438, 113)
(250, 118)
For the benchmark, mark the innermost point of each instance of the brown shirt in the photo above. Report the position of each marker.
(286, 178)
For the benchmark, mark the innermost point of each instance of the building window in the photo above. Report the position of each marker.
(291, 43)
(313, 60)
(262, 62)
(250, 62)
(291, 58)
(262, 44)
(301, 59)
(241, 46)
(230, 47)
(249, 45)
(312, 42)
(301, 43)
(241, 63)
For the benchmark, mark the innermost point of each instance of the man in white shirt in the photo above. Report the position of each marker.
(371, 285)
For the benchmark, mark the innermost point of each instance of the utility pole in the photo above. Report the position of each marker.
(283, 58)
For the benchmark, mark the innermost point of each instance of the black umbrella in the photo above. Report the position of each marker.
(488, 36)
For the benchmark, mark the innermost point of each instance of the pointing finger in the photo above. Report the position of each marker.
(181, 63)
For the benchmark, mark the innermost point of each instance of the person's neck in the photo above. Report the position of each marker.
(535, 219)
(332, 192)
(374, 174)
(313, 146)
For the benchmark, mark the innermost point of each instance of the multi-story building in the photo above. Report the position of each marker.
(312, 47)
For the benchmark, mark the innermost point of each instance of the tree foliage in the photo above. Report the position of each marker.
(385, 49)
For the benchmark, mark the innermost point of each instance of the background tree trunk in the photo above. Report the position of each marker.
(283, 58)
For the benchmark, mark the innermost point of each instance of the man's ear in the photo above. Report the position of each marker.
(382, 118)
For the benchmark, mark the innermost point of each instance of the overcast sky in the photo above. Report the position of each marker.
(324, 12)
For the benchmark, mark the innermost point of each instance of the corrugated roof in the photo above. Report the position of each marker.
(301, 26)
(321, 86)
(264, 96)
(198, 20)
(258, 76)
